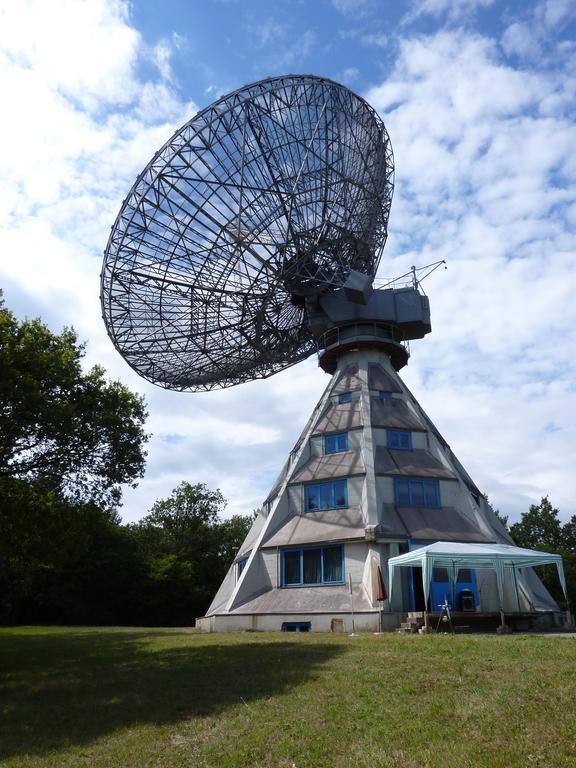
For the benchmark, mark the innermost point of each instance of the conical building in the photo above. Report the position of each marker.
(369, 478)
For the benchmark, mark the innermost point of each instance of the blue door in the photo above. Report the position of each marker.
(440, 588)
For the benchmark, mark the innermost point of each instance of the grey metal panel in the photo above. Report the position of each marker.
(383, 462)
(402, 307)
(415, 463)
(332, 465)
(250, 539)
(393, 413)
(307, 600)
(339, 418)
(380, 379)
(390, 523)
(349, 381)
(279, 480)
(224, 592)
(444, 524)
(316, 527)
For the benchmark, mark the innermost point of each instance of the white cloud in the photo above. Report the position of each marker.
(269, 31)
(456, 10)
(379, 39)
(354, 8)
(349, 75)
(486, 179)
(162, 53)
(84, 50)
(533, 36)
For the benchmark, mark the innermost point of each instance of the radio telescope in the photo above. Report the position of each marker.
(250, 241)
(271, 195)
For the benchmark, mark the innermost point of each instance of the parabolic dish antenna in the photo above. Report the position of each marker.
(267, 198)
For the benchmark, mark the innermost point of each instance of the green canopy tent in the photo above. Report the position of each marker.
(454, 556)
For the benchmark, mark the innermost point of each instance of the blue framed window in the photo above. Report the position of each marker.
(400, 441)
(296, 626)
(336, 443)
(345, 397)
(331, 495)
(416, 493)
(313, 566)
(385, 395)
(240, 565)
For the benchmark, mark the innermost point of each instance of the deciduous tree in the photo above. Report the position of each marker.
(67, 429)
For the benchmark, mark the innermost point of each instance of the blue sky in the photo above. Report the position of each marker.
(479, 101)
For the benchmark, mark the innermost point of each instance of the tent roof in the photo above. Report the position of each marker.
(456, 555)
(460, 552)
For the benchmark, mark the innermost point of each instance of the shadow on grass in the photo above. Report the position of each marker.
(66, 690)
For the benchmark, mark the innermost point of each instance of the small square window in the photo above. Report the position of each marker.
(330, 495)
(417, 493)
(345, 397)
(336, 443)
(400, 441)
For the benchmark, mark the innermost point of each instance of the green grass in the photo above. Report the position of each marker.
(131, 697)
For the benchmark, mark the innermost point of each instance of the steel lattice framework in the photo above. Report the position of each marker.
(272, 194)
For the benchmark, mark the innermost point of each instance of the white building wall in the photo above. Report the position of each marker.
(355, 554)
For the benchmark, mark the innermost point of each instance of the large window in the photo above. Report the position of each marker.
(336, 443)
(417, 493)
(401, 441)
(332, 495)
(313, 565)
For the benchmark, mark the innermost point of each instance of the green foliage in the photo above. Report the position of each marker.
(540, 528)
(61, 428)
(66, 561)
(62, 561)
(68, 441)
(187, 549)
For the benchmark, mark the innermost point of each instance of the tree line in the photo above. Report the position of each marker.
(541, 528)
(69, 441)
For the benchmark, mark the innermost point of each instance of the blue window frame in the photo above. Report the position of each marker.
(385, 395)
(416, 493)
(336, 443)
(331, 495)
(345, 397)
(240, 565)
(296, 626)
(312, 566)
(400, 441)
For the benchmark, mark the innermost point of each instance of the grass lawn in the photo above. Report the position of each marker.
(161, 697)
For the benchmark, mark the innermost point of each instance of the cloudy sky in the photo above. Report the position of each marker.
(479, 99)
